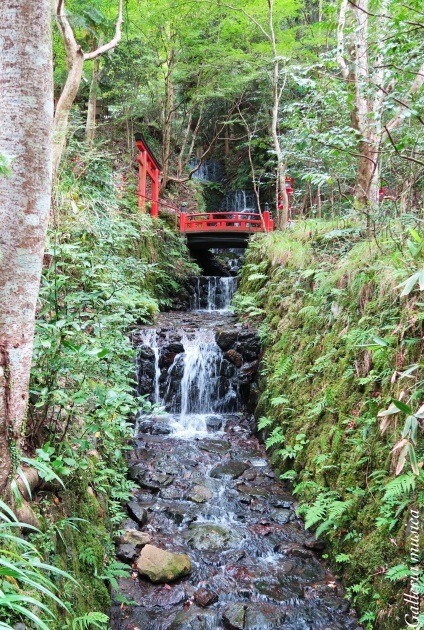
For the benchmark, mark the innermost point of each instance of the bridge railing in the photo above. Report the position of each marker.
(226, 222)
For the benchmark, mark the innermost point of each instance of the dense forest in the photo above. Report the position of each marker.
(312, 111)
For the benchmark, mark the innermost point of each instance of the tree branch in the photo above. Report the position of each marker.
(401, 155)
(113, 42)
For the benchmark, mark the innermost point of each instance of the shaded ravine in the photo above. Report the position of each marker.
(206, 490)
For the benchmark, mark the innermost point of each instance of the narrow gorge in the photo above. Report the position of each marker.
(212, 535)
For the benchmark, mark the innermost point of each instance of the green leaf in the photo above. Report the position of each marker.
(402, 407)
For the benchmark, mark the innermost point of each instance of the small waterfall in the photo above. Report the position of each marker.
(209, 171)
(198, 381)
(213, 293)
(239, 201)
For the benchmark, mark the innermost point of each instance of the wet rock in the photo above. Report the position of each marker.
(234, 357)
(136, 538)
(126, 553)
(146, 352)
(146, 479)
(231, 469)
(162, 566)
(204, 597)
(226, 338)
(161, 429)
(195, 619)
(207, 537)
(282, 516)
(177, 513)
(306, 569)
(137, 512)
(259, 616)
(295, 551)
(248, 372)
(282, 501)
(214, 423)
(129, 524)
(214, 446)
(316, 545)
(171, 492)
(248, 345)
(233, 616)
(168, 353)
(272, 589)
(166, 596)
(199, 494)
(253, 491)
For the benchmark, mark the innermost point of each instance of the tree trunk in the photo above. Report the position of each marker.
(366, 187)
(75, 57)
(90, 127)
(167, 119)
(280, 188)
(63, 107)
(26, 114)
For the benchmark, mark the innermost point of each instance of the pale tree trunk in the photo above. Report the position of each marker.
(75, 57)
(26, 114)
(371, 83)
(277, 90)
(90, 127)
(167, 118)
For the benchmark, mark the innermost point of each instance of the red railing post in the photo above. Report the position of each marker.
(267, 217)
(183, 217)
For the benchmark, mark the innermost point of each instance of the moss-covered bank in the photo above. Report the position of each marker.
(340, 344)
(108, 269)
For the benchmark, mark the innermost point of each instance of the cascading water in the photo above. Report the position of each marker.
(213, 293)
(188, 374)
(208, 491)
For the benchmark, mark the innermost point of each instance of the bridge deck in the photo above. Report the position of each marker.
(225, 222)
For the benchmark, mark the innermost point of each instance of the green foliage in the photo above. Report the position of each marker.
(107, 270)
(26, 582)
(341, 346)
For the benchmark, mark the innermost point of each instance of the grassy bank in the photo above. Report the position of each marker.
(107, 270)
(341, 345)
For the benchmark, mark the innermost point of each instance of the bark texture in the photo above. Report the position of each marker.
(26, 114)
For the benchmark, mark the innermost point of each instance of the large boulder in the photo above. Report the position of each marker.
(248, 345)
(137, 512)
(226, 338)
(234, 357)
(169, 352)
(162, 566)
(231, 469)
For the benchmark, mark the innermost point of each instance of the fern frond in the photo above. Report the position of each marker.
(264, 422)
(404, 484)
(276, 437)
(399, 572)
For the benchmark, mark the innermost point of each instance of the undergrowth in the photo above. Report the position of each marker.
(107, 270)
(342, 387)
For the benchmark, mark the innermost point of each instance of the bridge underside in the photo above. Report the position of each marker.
(219, 240)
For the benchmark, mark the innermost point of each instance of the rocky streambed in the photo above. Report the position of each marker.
(212, 540)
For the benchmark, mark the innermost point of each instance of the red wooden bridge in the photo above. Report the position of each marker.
(223, 229)
(202, 229)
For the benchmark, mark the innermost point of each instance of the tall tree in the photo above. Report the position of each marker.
(75, 57)
(26, 114)
(377, 57)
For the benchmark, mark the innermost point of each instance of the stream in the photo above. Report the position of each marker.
(206, 491)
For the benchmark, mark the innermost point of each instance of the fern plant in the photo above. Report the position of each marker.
(25, 577)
